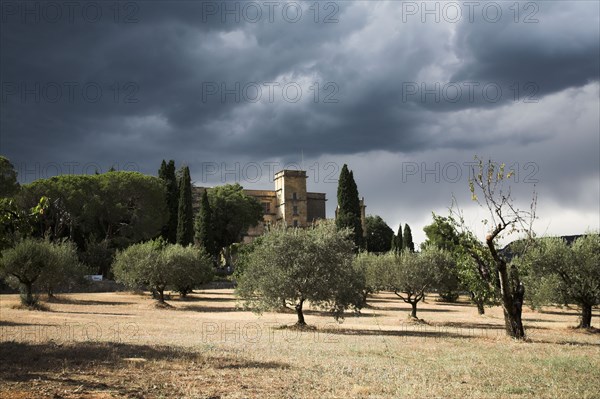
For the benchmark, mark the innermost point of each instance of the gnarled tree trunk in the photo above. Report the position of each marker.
(512, 291)
(27, 297)
(413, 312)
(479, 303)
(480, 308)
(161, 294)
(365, 295)
(586, 316)
(298, 307)
(412, 301)
(26, 288)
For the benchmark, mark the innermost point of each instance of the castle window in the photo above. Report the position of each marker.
(294, 196)
(295, 210)
(295, 223)
(266, 207)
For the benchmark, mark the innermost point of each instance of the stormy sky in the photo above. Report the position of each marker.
(405, 93)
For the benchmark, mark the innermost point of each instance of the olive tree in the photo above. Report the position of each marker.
(294, 266)
(559, 273)
(373, 268)
(189, 266)
(63, 270)
(489, 188)
(441, 234)
(138, 266)
(474, 277)
(581, 278)
(34, 264)
(410, 274)
(159, 265)
(472, 263)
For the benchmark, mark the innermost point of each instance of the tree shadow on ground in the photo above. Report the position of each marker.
(212, 292)
(369, 299)
(467, 304)
(470, 325)
(438, 331)
(209, 309)
(96, 313)
(563, 342)
(403, 331)
(534, 320)
(409, 309)
(324, 313)
(561, 313)
(203, 299)
(27, 361)
(72, 301)
(4, 323)
(488, 326)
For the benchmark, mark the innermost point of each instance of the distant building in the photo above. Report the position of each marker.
(290, 202)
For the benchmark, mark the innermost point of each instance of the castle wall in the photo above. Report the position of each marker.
(315, 207)
(289, 202)
(290, 186)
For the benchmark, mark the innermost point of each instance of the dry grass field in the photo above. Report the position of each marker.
(120, 345)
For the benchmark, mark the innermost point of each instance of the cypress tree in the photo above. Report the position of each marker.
(348, 214)
(398, 241)
(167, 174)
(408, 240)
(185, 214)
(356, 210)
(162, 174)
(204, 227)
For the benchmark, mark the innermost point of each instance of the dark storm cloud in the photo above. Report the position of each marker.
(155, 72)
(558, 51)
(157, 64)
(162, 63)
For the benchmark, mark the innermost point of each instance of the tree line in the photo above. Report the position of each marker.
(143, 230)
(452, 260)
(95, 218)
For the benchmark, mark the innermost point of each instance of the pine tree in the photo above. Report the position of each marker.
(204, 227)
(185, 214)
(167, 174)
(408, 243)
(349, 211)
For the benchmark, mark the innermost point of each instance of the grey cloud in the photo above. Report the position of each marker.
(370, 55)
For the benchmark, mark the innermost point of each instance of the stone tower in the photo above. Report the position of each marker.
(290, 188)
(363, 216)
